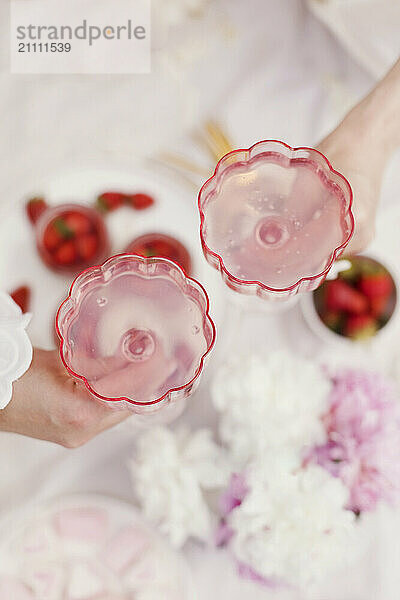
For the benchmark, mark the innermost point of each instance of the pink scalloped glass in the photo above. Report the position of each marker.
(136, 331)
(274, 219)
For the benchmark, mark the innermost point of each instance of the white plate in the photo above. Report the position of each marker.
(175, 213)
(15, 527)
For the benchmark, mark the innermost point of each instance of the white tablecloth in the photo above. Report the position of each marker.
(265, 70)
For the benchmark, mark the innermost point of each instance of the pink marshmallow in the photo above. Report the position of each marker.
(142, 574)
(13, 589)
(125, 548)
(46, 581)
(84, 524)
(36, 541)
(85, 583)
(152, 567)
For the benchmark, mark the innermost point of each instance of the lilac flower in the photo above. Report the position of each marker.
(246, 572)
(363, 428)
(234, 494)
(233, 497)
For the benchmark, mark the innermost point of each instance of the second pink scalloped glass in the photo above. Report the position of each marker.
(136, 331)
(274, 219)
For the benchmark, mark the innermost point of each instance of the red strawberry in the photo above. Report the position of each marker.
(65, 254)
(332, 319)
(360, 327)
(159, 244)
(22, 296)
(377, 285)
(34, 208)
(378, 306)
(139, 201)
(77, 222)
(110, 201)
(339, 295)
(87, 246)
(52, 237)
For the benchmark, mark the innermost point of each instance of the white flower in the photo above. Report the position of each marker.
(270, 402)
(292, 525)
(170, 472)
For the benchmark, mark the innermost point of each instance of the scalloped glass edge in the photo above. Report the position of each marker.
(104, 272)
(257, 288)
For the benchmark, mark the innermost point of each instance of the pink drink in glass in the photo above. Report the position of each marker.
(274, 218)
(136, 330)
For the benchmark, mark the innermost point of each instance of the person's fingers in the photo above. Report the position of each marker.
(98, 367)
(141, 379)
(307, 195)
(114, 416)
(82, 416)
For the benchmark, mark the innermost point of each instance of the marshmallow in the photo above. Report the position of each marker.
(125, 548)
(153, 567)
(36, 540)
(45, 579)
(84, 583)
(84, 524)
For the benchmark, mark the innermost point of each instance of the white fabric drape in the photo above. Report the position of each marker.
(15, 346)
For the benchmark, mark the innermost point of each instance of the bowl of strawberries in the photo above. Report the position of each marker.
(69, 237)
(161, 245)
(356, 306)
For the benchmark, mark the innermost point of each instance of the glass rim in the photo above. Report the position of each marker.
(144, 260)
(290, 152)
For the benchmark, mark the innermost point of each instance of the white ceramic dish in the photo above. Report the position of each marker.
(329, 337)
(174, 213)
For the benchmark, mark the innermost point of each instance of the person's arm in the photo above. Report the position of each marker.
(48, 404)
(37, 396)
(361, 146)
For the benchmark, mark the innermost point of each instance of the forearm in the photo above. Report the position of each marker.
(361, 146)
(372, 127)
(379, 112)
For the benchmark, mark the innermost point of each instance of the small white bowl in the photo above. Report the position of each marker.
(328, 336)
